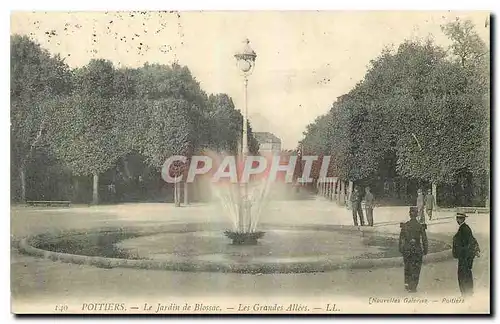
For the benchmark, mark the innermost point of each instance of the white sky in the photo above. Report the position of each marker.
(306, 59)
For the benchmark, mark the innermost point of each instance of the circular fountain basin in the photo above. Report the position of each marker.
(199, 247)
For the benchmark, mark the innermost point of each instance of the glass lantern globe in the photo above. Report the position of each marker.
(246, 58)
(244, 66)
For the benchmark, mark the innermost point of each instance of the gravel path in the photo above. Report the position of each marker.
(35, 280)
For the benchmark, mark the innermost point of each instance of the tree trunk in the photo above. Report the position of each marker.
(175, 193)
(350, 190)
(177, 200)
(179, 194)
(434, 193)
(95, 190)
(126, 169)
(186, 198)
(487, 200)
(341, 193)
(76, 189)
(22, 176)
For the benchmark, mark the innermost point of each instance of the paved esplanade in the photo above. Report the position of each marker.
(34, 278)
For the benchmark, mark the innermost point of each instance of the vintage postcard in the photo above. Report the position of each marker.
(250, 162)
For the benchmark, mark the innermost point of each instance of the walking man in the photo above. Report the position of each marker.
(413, 245)
(369, 204)
(420, 206)
(465, 248)
(430, 203)
(356, 199)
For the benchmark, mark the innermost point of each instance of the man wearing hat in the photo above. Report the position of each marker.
(413, 245)
(465, 248)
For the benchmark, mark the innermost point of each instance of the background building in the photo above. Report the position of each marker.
(268, 142)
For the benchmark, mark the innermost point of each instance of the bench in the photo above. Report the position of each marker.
(50, 203)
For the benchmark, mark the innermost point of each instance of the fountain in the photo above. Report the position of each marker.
(243, 201)
(244, 210)
(196, 247)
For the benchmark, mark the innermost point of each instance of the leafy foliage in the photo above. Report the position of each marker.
(168, 131)
(85, 135)
(35, 76)
(421, 104)
(94, 118)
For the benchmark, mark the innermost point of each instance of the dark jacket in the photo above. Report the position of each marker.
(413, 239)
(356, 198)
(464, 243)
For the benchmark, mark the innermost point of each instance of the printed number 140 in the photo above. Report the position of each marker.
(61, 308)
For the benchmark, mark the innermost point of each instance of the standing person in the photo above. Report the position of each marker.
(413, 245)
(369, 204)
(356, 199)
(420, 206)
(430, 203)
(465, 248)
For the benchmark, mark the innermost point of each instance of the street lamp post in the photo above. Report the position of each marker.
(246, 62)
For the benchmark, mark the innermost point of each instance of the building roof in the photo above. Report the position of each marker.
(266, 137)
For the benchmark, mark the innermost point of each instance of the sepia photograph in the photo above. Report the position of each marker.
(250, 162)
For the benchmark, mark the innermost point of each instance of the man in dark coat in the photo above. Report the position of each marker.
(356, 199)
(465, 248)
(413, 245)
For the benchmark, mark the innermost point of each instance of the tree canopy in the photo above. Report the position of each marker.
(421, 105)
(93, 118)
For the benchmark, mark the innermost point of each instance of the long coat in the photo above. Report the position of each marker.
(463, 243)
(413, 239)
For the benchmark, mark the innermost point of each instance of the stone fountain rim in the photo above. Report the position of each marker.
(26, 246)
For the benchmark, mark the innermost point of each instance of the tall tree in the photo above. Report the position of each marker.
(35, 76)
(86, 134)
(473, 54)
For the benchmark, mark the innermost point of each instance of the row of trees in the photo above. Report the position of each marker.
(87, 121)
(421, 113)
